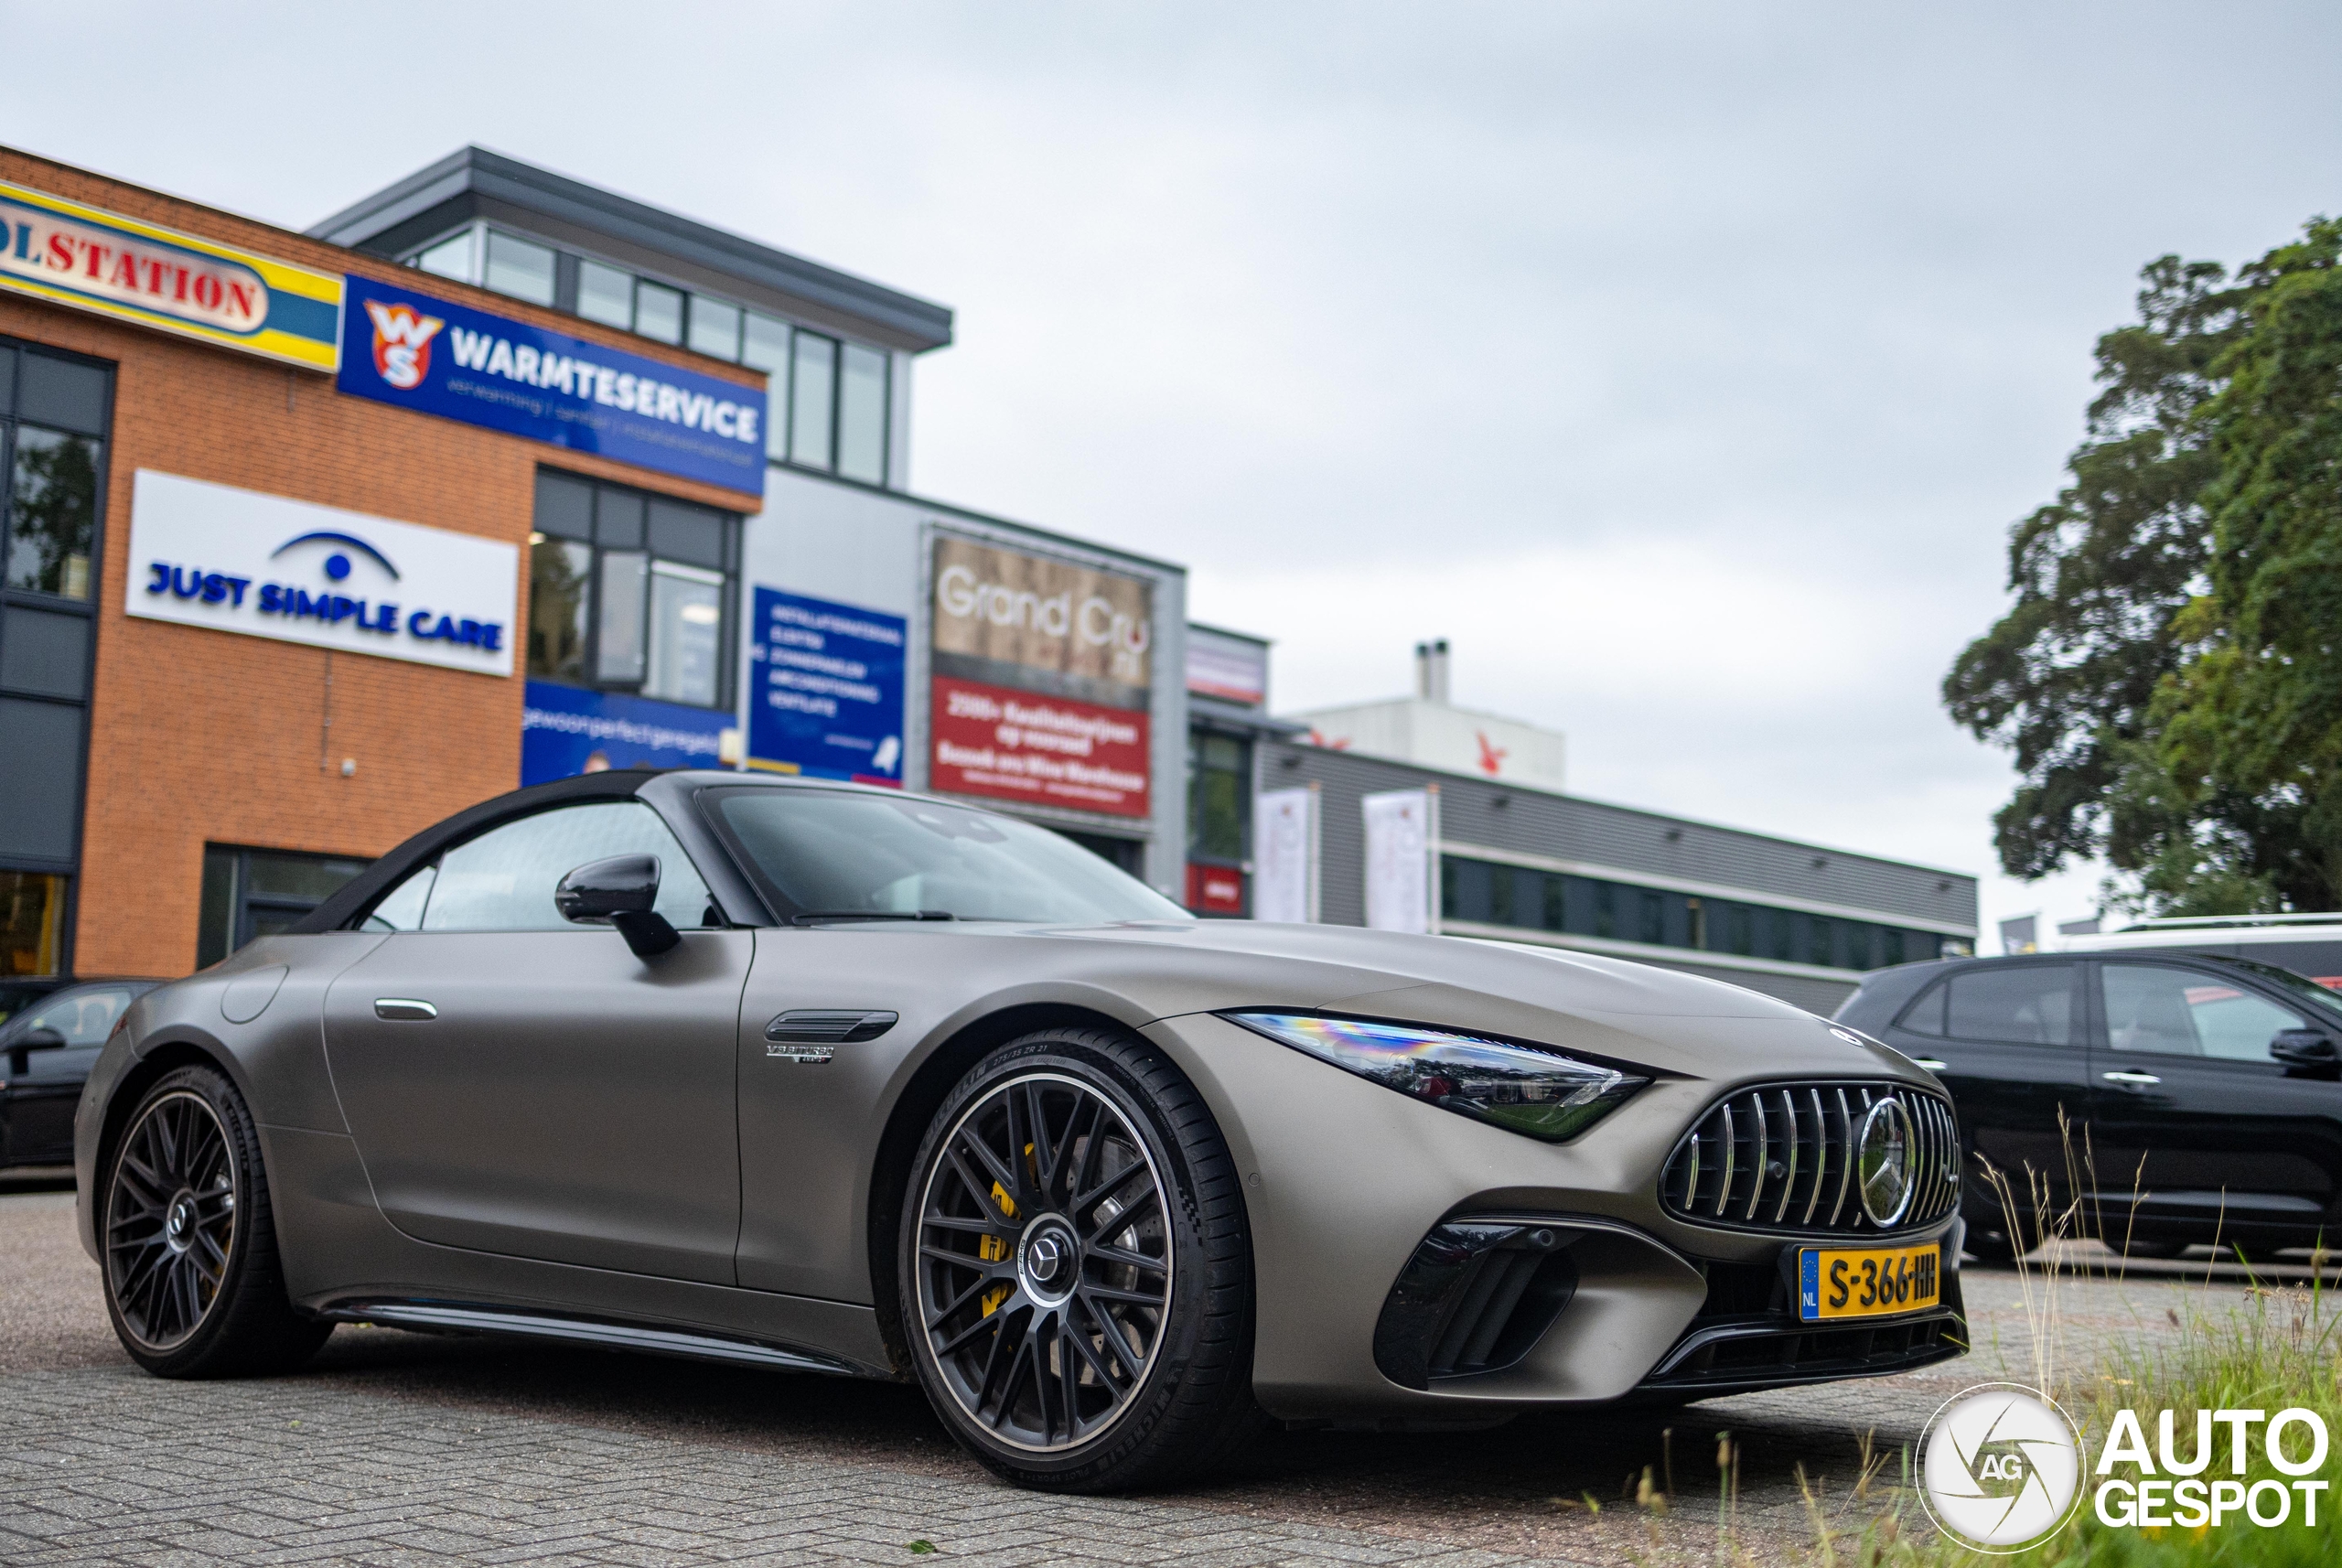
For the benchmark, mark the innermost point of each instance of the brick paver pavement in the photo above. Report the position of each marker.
(397, 1448)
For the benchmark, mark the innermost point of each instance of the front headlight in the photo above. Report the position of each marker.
(1522, 1089)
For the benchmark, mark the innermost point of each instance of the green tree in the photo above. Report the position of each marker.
(2065, 679)
(2160, 675)
(2248, 728)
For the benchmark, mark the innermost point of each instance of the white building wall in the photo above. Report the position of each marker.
(1437, 735)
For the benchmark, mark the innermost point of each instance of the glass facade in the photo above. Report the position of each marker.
(1220, 822)
(1219, 797)
(831, 400)
(54, 409)
(631, 592)
(1488, 893)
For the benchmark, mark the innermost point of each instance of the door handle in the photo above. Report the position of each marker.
(402, 1009)
(2131, 1079)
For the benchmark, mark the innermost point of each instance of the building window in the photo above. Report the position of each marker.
(32, 924)
(449, 258)
(1219, 797)
(253, 893)
(862, 415)
(658, 311)
(812, 387)
(715, 328)
(519, 268)
(1486, 893)
(52, 511)
(54, 409)
(606, 294)
(631, 592)
(764, 346)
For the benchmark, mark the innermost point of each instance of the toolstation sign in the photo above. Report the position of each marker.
(111, 266)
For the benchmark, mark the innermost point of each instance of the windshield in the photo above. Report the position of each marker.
(841, 853)
(2298, 987)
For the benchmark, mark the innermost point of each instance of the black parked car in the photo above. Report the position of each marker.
(46, 1052)
(17, 994)
(2204, 1093)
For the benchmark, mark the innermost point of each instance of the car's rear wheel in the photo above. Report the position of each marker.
(1076, 1269)
(192, 1280)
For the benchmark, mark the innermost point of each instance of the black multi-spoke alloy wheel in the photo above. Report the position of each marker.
(1076, 1269)
(192, 1278)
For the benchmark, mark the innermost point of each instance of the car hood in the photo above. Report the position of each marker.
(1661, 1018)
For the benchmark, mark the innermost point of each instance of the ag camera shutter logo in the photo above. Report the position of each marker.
(1999, 1467)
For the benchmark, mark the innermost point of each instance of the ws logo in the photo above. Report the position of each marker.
(401, 343)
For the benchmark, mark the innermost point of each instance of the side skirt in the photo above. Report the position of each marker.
(451, 1317)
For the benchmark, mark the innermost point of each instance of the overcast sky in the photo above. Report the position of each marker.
(1683, 364)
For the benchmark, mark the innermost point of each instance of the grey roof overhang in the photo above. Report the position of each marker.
(472, 177)
(1214, 713)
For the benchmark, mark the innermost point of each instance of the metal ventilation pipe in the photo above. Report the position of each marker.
(1430, 670)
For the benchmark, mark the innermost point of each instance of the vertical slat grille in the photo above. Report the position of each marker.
(1783, 1156)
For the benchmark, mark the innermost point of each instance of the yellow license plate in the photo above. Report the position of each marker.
(1867, 1282)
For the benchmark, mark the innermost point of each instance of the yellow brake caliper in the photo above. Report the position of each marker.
(994, 1249)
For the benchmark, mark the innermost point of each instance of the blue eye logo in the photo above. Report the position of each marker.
(338, 563)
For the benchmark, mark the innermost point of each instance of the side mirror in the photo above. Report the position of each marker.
(622, 891)
(2306, 1050)
(31, 1040)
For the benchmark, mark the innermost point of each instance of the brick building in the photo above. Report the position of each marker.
(143, 759)
(311, 539)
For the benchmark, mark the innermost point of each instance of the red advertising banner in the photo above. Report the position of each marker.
(1215, 889)
(1019, 745)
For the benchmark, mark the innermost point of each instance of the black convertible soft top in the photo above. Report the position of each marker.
(360, 891)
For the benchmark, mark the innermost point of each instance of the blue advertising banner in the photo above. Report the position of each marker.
(828, 697)
(566, 730)
(408, 348)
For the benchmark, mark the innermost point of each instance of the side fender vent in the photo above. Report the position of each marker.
(1476, 1297)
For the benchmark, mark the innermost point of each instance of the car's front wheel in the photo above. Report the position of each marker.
(1076, 1269)
(192, 1280)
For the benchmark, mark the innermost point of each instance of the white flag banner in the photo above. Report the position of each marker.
(1402, 843)
(1284, 855)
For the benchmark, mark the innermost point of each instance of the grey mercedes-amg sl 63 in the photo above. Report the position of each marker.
(841, 1080)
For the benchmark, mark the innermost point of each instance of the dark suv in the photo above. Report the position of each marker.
(2204, 1094)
